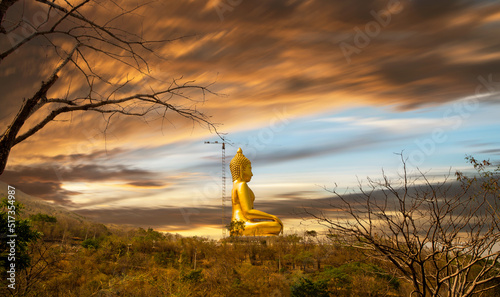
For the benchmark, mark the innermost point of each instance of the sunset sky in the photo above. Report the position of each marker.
(316, 93)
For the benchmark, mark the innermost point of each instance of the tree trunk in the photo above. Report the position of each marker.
(9, 137)
(4, 154)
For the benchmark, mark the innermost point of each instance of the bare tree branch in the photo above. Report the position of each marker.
(441, 236)
(67, 23)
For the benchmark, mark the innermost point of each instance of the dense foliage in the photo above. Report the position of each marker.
(24, 235)
(78, 258)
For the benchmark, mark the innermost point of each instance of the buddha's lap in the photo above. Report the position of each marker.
(262, 225)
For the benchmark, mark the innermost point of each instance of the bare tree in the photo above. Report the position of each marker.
(75, 38)
(441, 236)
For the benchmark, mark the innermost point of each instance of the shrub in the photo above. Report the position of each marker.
(90, 243)
(307, 288)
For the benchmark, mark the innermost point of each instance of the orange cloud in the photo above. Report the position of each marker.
(263, 57)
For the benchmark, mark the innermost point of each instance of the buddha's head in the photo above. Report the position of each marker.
(241, 167)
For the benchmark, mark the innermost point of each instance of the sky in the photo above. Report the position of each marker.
(317, 94)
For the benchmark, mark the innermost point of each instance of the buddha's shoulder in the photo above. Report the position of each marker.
(242, 185)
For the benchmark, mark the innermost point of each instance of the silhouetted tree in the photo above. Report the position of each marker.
(70, 31)
(441, 236)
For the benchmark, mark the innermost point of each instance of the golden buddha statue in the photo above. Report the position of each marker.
(256, 222)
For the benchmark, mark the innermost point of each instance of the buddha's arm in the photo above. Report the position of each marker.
(247, 205)
(257, 214)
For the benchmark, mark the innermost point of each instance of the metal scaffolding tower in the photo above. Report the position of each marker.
(223, 184)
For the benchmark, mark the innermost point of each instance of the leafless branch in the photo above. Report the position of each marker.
(441, 236)
(67, 21)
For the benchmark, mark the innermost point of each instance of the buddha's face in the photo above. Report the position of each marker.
(246, 173)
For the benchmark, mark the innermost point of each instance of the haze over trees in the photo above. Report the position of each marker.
(78, 48)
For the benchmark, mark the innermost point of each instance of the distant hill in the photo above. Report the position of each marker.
(34, 205)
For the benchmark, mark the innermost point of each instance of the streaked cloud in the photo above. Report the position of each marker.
(262, 56)
(47, 180)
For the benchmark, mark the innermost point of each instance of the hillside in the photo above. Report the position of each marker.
(34, 205)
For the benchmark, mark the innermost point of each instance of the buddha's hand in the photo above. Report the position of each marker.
(276, 219)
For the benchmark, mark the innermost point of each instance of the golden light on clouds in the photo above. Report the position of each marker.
(271, 64)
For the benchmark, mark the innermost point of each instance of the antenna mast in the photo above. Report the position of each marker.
(223, 184)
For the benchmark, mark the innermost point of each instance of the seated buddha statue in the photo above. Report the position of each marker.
(256, 222)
